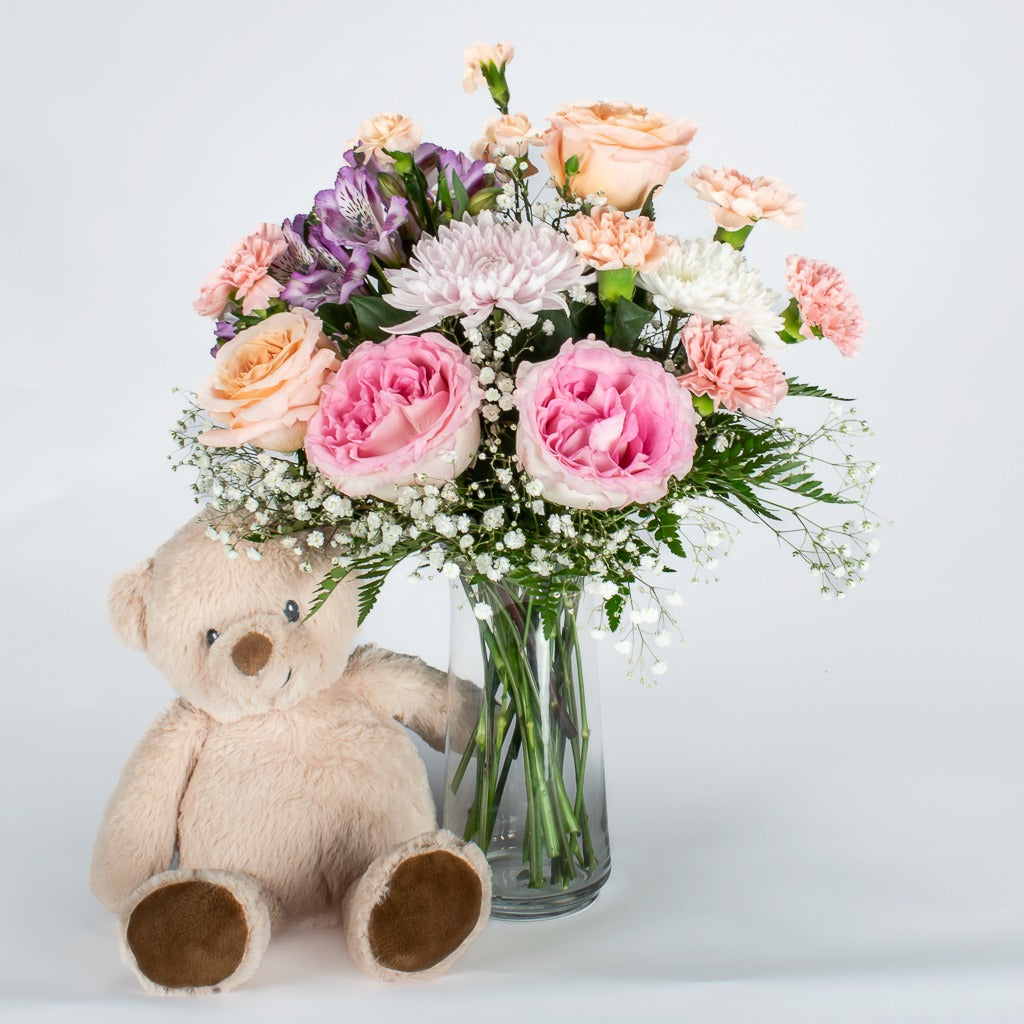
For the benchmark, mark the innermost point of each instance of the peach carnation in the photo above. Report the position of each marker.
(498, 54)
(386, 131)
(731, 369)
(245, 273)
(737, 201)
(828, 307)
(511, 134)
(608, 240)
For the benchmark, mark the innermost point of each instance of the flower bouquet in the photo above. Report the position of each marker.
(516, 379)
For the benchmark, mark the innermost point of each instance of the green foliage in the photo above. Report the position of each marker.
(758, 458)
(647, 210)
(800, 389)
(372, 574)
(373, 314)
(664, 526)
(627, 323)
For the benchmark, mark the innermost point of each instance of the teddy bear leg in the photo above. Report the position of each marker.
(190, 932)
(417, 907)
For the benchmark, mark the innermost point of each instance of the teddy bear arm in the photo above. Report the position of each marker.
(137, 836)
(406, 688)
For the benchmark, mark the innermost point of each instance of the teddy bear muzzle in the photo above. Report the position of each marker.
(251, 653)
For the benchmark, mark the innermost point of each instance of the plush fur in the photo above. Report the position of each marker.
(282, 768)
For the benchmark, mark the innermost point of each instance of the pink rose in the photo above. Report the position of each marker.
(266, 383)
(246, 272)
(600, 428)
(623, 151)
(398, 412)
(730, 368)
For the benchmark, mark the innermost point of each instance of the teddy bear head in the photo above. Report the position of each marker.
(234, 635)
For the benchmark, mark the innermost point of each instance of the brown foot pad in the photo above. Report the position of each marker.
(188, 934)
(432, 905)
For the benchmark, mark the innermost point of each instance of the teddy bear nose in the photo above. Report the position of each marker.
(251, 653)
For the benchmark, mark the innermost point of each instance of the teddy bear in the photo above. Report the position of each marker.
(281, 786)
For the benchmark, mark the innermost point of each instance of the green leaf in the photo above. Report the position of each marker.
(335, 317)
(627, 322)
(461, 196)
(373, 314)
(444, 196)
(799, 388)
(647, 210)
(613, 609)
(666, 530)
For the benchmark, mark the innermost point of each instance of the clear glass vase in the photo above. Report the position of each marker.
(524, 771)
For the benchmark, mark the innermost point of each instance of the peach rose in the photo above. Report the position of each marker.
(498, 54)
(608, 240)
(623, 151)
(266, 384)
(386, 131)
(511, 133)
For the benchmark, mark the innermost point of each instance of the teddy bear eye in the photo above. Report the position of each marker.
(211, 635)
(291, 611)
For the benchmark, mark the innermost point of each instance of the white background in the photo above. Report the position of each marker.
(817, 814)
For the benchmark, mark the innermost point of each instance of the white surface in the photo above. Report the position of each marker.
(816, 816)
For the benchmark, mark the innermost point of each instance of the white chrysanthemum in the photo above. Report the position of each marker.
(713, 280)
(475, 266)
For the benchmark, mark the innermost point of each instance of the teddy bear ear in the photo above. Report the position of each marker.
(126, 602)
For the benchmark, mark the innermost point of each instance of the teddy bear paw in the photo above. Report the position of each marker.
(191, 932)
(418, 907)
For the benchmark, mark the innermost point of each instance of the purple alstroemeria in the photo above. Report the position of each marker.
(354, 214)
(298, 257)
(335, 282)
(471, 172)
(434, 160)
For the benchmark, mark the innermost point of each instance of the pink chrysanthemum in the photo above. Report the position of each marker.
(731, 369)
(827, 305)
(738, 201)
(473, 267)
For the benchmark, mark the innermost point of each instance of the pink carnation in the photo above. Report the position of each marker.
(600, 428)
(608, 240)
(827, 306)
(731, 369)
(246, 272)
(738, 201)
(398, 412)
